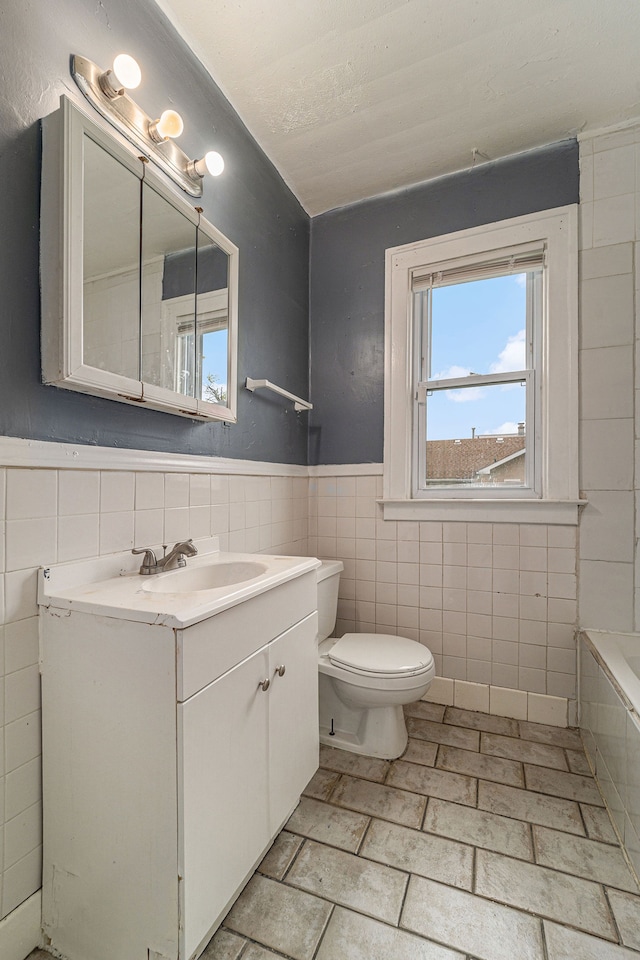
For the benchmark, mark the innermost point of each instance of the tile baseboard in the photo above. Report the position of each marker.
(502, 701)
(20, 930)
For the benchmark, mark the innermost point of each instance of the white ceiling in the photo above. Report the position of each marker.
(352, 98)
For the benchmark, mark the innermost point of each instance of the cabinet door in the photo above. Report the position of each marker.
(223, 787)
(293, 717)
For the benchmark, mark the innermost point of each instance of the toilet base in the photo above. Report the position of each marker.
(371, 731)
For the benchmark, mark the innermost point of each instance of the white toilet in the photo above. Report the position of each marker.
(365, 678)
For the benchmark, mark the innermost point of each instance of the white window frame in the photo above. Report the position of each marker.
(553, 497)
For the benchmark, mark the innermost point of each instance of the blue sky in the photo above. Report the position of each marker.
(478, 327)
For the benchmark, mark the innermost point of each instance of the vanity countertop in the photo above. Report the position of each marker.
(112, 587)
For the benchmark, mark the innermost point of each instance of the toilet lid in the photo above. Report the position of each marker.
(381, 653)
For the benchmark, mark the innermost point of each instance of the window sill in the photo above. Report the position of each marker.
(484, 511)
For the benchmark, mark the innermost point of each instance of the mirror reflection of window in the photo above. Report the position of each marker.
(111, 250)
(211, 355)
(168, 293)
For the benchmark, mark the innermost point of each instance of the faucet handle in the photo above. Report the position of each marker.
(149, 562)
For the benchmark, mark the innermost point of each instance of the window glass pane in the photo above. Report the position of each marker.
(476, 436)
(479, 327)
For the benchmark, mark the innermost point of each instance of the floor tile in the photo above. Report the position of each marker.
(255, 952)
(321, 784)
(583, 858)
(371, 888)
(626, 910)
(380, 801)
(279, 916)
(350, 936)
(468, 923)
(557, 736)
(424, 710)
(432, 782)
(480, 828)
(224, 946)
(598, 823)
(368, 768)
(328, 824)
(559, 784)
(529, 806)
(480, 765)
(545, 892)
(566, 944)
(421, 751)
(578, 762)
(443, 733)
(481, 721)
(284, 848)
(524, 750)
(420, 853)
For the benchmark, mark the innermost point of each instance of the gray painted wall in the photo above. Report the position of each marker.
(347, 282)
(249, 203)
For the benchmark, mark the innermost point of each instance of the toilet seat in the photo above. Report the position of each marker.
(381, 655)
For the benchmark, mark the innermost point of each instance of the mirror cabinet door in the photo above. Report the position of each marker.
(144, 309)
(168, 294)
(211, 354)
(110, 263)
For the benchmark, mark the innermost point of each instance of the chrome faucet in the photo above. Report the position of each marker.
(177, 557)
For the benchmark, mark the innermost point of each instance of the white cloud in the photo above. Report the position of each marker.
(467, 395)
(512, 356)
(521, 279)
(503, 430)
(451, 372)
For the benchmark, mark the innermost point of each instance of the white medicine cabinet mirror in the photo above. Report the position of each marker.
(139, 291)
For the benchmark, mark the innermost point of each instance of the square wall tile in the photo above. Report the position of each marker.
(31, 494)
(607, 311)
(605, 595)
(117, 491)
(30, 543)
(614, 220)
(607, 454)
(78, 492)
(606, 526)
(78, 537)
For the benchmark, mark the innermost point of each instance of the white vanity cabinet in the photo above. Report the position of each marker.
(169, 765)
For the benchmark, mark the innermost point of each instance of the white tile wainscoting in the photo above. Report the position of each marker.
(50, 514)
(495, 602)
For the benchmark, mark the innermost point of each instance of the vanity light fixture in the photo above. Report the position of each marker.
(105, 91)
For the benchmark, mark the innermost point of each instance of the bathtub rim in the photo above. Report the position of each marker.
(608, 649)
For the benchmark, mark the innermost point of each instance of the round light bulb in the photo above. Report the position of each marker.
(214, 163)
(211, 163)
(170, 124)
(127, 71)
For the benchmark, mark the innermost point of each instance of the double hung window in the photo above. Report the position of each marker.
(481, 370)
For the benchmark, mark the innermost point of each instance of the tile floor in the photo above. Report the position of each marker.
(487, 840)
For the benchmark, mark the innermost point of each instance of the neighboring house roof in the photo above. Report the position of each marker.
(463, 459)
(501, 463)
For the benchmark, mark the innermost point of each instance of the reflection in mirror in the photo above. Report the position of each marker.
(211, 350)
(111, 294)
(168, 292)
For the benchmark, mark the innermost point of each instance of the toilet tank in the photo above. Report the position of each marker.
(328, 579)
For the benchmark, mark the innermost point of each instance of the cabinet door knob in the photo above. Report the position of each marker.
(281, 670)
(264, 684)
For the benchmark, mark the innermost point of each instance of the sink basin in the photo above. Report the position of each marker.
(209, 577)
